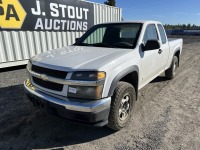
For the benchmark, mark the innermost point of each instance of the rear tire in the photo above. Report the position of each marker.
(122, 105)
(171, 72)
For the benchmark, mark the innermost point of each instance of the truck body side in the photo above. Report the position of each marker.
(134, 66)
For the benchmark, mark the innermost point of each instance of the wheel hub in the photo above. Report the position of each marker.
(124, 108)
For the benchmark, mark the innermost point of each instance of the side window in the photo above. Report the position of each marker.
(150, 33)
(162, 33)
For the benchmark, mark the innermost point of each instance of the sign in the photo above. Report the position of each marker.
(12, 14)
(43, 15)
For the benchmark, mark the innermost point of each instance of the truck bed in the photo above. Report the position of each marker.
(173, 39)
(174, 42)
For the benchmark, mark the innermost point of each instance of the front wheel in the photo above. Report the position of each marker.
(122, 105)
(171, 72)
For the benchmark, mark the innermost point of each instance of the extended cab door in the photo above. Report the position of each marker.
(152, 63)
(164, 46)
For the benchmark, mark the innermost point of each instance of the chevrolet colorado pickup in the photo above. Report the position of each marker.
(96, 80)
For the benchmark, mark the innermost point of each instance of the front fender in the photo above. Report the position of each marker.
(119, 76)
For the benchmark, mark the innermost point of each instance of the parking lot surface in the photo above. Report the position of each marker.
(166, 115)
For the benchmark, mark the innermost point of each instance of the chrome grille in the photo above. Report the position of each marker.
(49, 72)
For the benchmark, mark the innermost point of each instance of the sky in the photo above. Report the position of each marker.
(165, 11)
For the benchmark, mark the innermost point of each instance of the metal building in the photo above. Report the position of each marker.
(17, 46)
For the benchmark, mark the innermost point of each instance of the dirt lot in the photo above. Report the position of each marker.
(167, 116)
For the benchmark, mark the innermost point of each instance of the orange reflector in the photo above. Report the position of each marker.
(101, 75)
(29, 84)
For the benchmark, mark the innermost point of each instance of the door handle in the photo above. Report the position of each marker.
(159, 51)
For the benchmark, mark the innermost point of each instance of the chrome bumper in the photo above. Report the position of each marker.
(79, 105)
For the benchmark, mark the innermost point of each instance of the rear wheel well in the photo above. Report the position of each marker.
(177, 54)
(132, 78)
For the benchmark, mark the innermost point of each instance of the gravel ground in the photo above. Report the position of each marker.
(166, 116)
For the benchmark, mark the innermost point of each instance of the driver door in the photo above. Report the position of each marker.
(151, 60)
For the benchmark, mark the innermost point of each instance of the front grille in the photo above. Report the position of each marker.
(47, 84)
(49, 72)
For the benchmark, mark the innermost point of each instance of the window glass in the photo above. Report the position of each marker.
(162, 33)
(128, 33)
(96, 36)
(150, 33)
(122, 35)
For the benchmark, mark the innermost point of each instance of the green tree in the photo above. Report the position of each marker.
(184, 26)
(189, 26)
(110, 2)
(181, 26)
(194, 26)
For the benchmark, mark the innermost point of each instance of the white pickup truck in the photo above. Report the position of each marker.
(96, 80)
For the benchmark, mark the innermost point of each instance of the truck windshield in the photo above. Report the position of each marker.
(114, 35)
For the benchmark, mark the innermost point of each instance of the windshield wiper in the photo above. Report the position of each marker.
(83, 44)
(96, 45)
(103, 45)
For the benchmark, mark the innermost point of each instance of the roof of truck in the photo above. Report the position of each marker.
(134, 21)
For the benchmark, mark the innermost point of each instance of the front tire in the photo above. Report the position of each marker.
(171, 72)
(122, 105)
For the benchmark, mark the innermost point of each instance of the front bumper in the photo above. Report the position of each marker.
(94, 113)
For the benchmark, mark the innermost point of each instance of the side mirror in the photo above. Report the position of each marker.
(77, 39)
(151, 45)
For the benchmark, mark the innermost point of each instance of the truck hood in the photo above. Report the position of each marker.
(79, 57)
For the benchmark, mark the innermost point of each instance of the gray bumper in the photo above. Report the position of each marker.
(78, 105)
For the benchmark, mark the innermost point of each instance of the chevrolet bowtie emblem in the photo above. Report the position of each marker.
(43, 77)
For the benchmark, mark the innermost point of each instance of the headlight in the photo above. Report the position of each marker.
(87, 92)
(88, 76)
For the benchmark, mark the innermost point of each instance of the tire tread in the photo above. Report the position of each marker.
(121, 86)
(169, 72)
